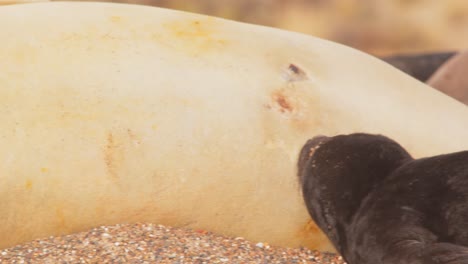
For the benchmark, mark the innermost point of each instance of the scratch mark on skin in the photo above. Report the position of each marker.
(294, 73)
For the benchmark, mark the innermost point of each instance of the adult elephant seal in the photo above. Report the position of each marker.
(379, 205)
(118, 113)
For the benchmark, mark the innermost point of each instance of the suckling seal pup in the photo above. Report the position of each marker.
(379, 205)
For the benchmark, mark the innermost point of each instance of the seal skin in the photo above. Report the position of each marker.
(379, 205)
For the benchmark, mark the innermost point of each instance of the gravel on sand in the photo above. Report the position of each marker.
(149, 243)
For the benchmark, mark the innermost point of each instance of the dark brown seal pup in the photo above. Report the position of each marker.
(379, 205)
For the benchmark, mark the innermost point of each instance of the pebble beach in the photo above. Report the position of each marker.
(149, 243)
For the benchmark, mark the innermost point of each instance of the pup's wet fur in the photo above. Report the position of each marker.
(379, 205)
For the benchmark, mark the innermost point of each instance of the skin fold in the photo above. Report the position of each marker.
(379, 205)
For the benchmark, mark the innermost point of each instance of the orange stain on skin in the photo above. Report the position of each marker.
(28, 184)
(115, 19)
(195, 36)
(313, 237)
(282, 101)
(192, 30)
(302, 108)
(61, 223)
(311, 227)
(133, 137)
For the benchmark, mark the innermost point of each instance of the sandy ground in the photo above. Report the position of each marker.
(149, 243)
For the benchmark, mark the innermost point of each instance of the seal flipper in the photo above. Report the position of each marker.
(406, 244)
(389, 243)
(446, 253)
(410, 252)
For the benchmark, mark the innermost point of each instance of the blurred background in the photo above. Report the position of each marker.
(379, 27)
